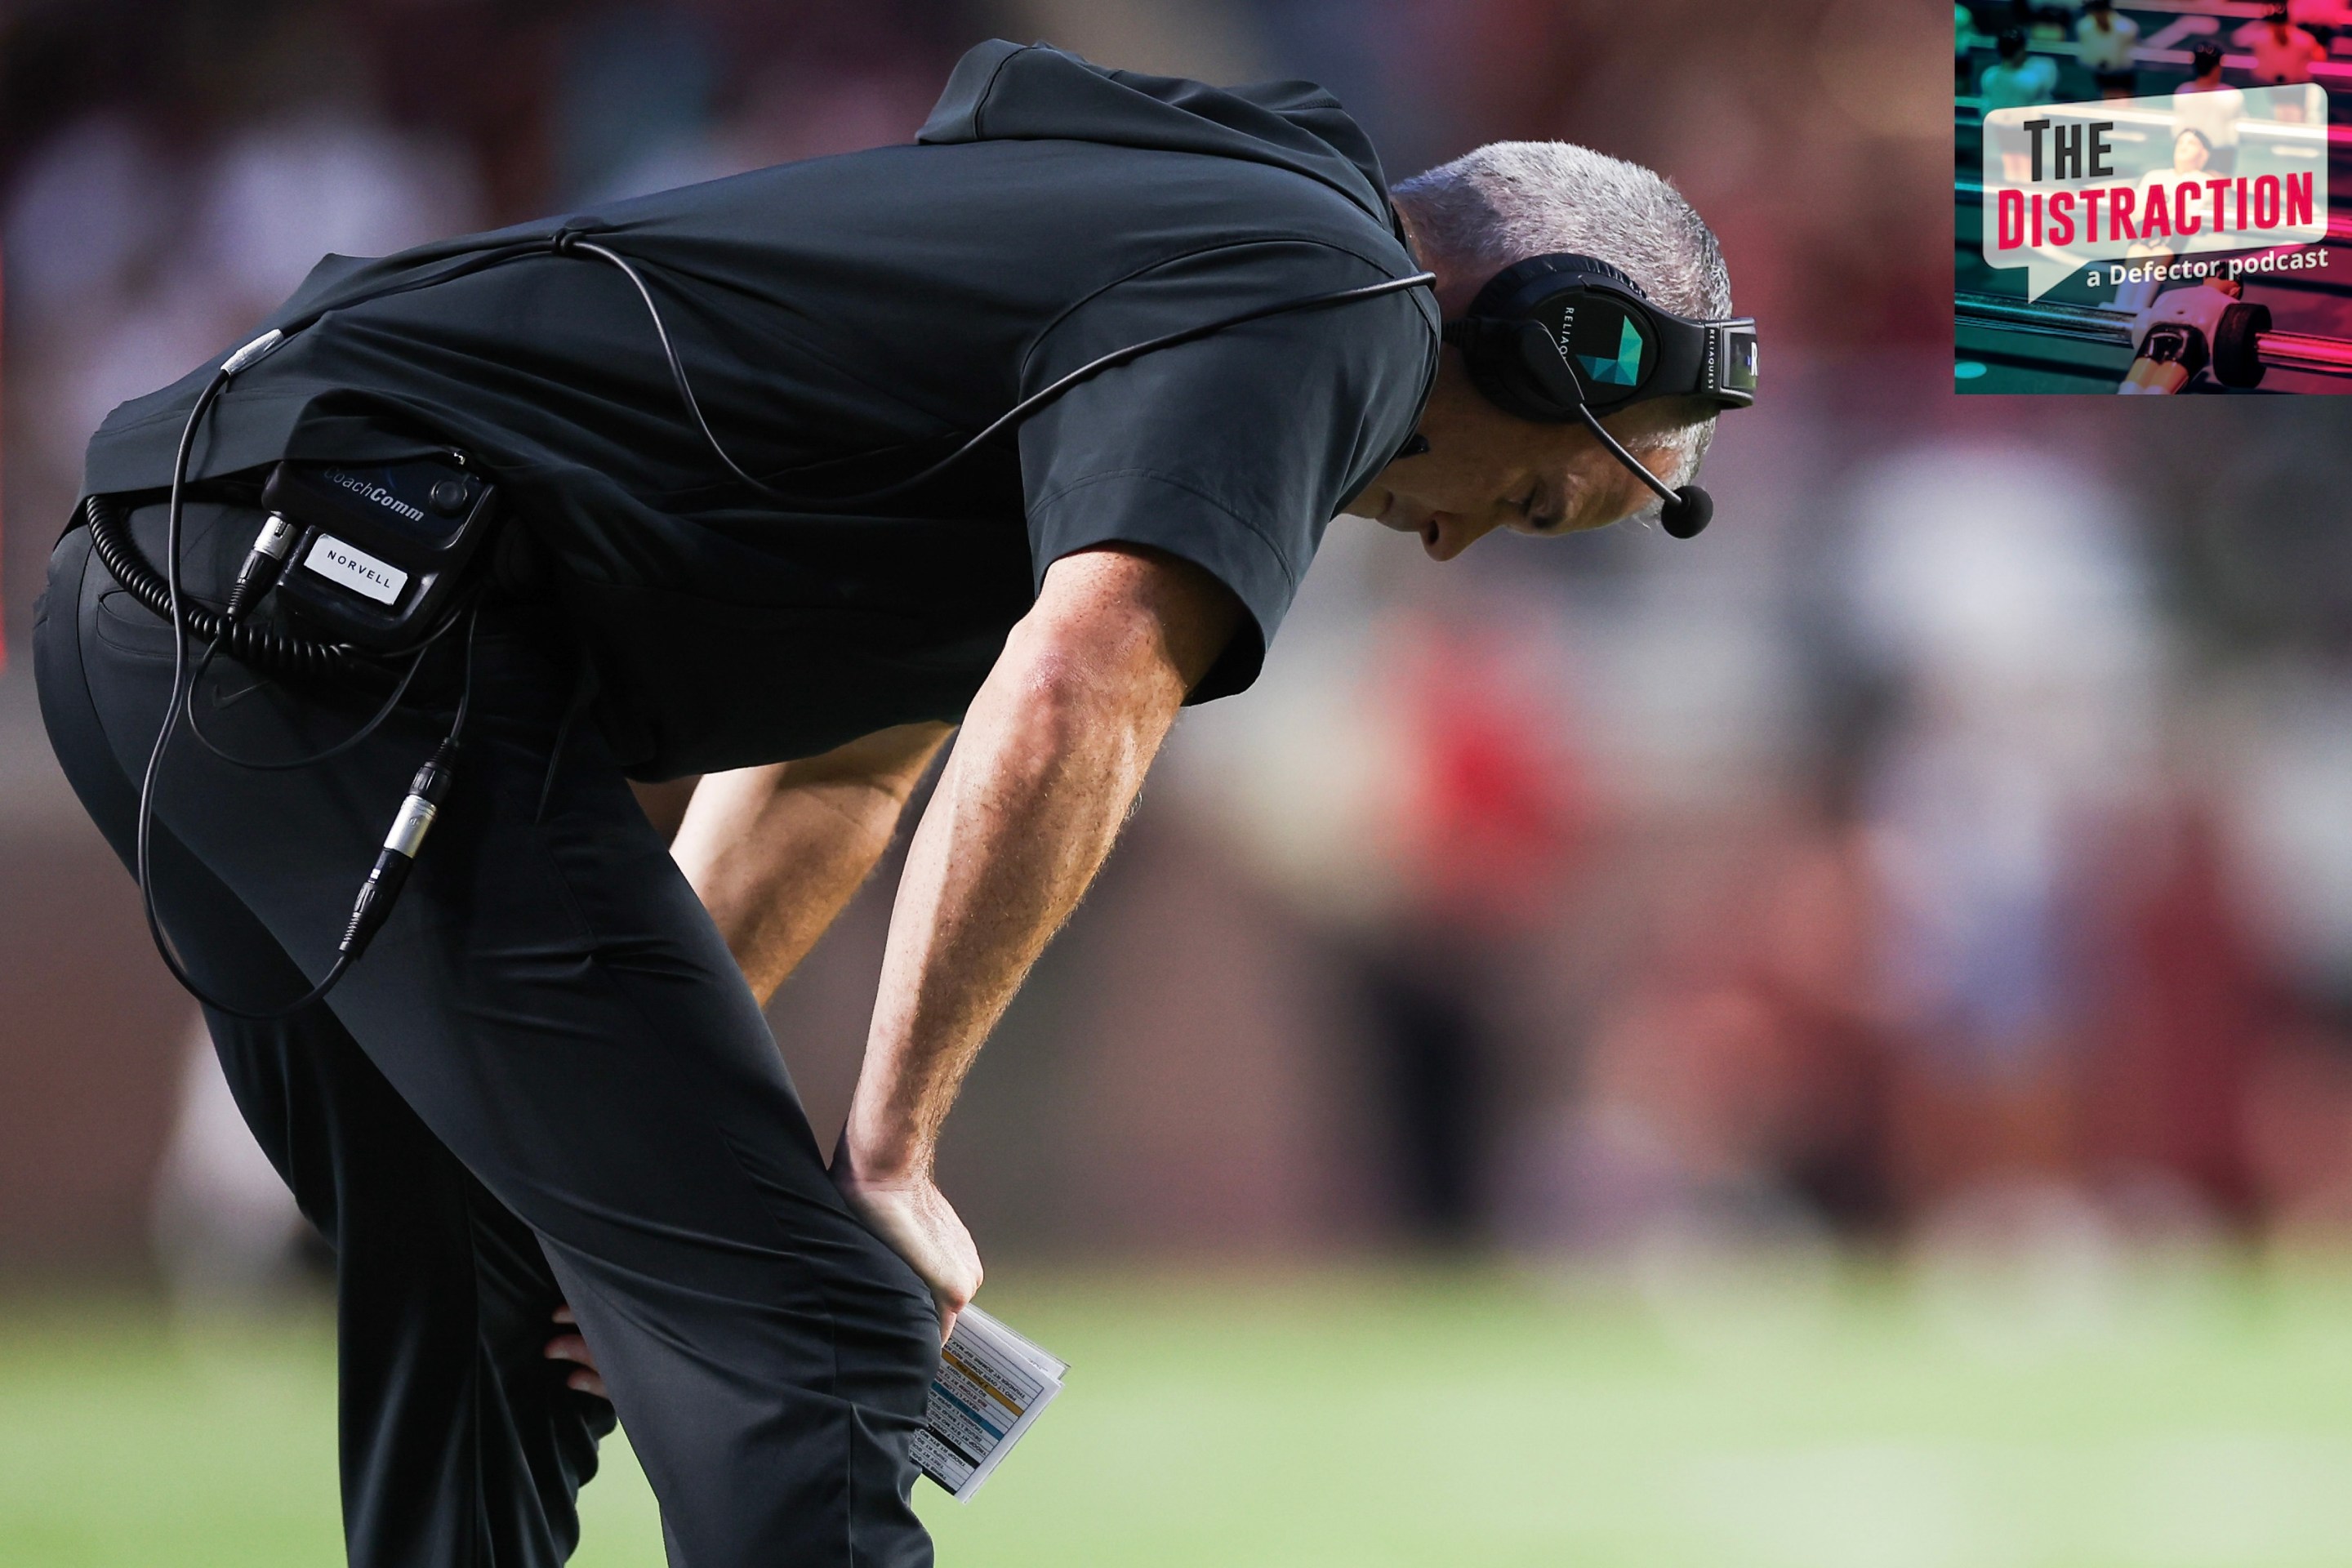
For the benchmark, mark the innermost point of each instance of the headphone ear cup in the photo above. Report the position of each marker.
(1550, 375)
(1505, 359)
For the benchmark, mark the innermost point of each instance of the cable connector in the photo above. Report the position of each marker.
(402, 845)
(262, 564)
(252, 351)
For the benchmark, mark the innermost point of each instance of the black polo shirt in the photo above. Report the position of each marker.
(845, 322)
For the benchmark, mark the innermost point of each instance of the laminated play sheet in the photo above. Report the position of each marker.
(991, 1385)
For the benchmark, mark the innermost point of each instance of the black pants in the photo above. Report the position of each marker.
(546, 1082)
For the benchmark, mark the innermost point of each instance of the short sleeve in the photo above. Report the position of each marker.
(1233, 451)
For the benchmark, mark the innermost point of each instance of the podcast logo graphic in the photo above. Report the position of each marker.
(2126, 190)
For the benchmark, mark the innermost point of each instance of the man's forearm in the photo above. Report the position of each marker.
(776, 852)
(1052, 753)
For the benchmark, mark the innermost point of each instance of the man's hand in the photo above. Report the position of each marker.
(568, 1346)
(914, 1218)
(1053, 750)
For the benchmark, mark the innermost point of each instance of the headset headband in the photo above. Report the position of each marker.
(1555, 333)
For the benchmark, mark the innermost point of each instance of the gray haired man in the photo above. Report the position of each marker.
(542, 1121)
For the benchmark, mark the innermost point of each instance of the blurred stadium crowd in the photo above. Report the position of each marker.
(1950, 843)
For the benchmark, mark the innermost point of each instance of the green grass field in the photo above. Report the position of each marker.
(2173, 1417)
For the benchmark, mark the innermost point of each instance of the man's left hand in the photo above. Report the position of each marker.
(914, 1218)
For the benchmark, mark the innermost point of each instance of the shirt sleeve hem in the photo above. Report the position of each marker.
(1273, 555)
(1243, 559)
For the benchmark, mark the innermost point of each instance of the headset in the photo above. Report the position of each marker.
(370, 563)
(1555, 338)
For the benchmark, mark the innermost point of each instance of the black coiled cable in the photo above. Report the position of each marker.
(270, 650)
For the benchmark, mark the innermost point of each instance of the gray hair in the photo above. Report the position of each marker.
(1511, 200)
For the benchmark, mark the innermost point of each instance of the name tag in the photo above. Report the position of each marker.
(355, 569)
